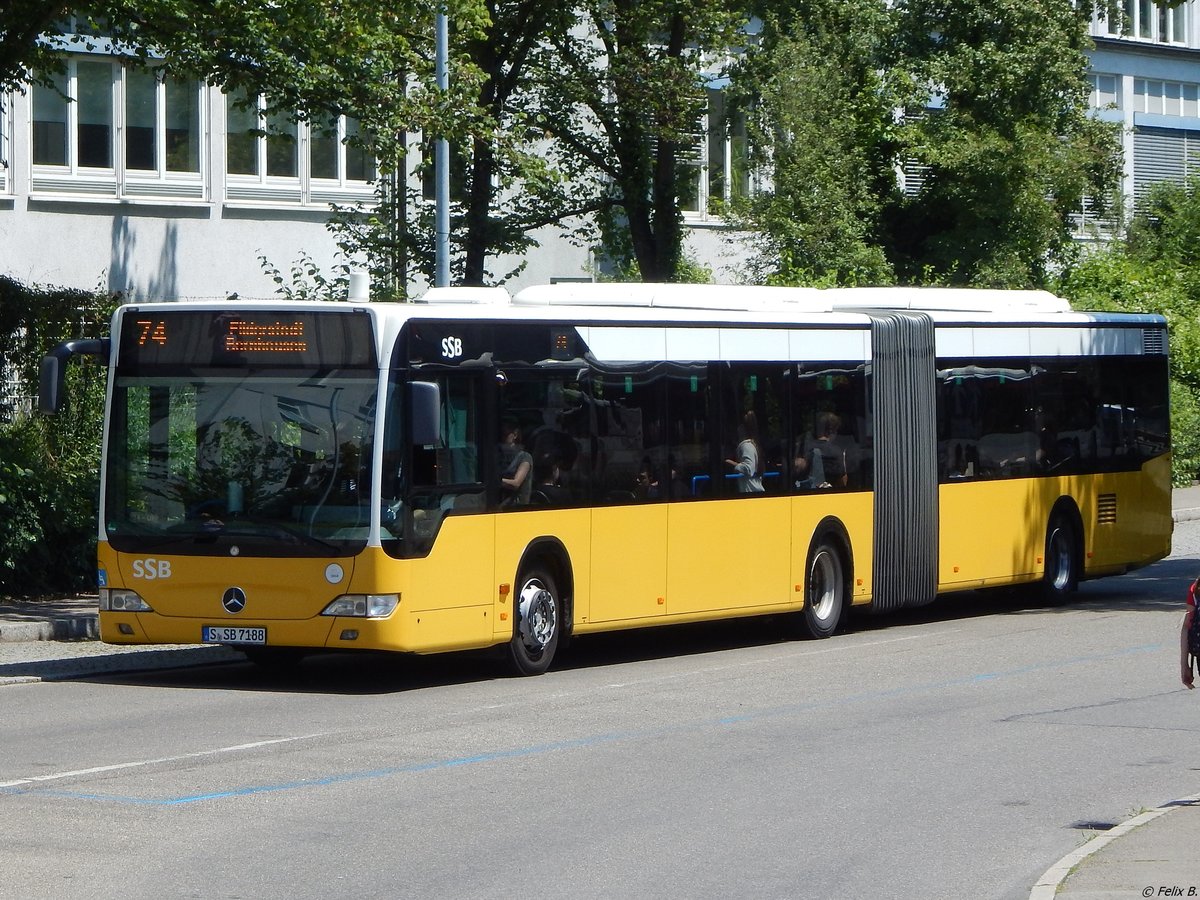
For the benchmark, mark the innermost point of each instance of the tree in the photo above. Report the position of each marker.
(1009, 148)
(502, 165)
(620, 94)
(985, 101)
(504, 185)
(825, 134)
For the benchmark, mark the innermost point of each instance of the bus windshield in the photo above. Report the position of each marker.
(272, 462)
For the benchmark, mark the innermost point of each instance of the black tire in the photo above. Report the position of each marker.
(537, 611)
(825, 584)
(1060, 578)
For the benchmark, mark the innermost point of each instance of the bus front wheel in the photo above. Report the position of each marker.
(824, 590)
(538, 625)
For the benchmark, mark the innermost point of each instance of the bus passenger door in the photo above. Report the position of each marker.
(730, 532)
(629, 519)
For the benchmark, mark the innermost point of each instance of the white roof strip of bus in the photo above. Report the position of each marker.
(692, 343)
(974, 342)
(633, 344)
(754, 343)
(830, 345)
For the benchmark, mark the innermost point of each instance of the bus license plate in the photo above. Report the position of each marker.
(228, 634)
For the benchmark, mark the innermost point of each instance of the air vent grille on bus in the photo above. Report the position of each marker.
(1106, 509)
(1154, 341)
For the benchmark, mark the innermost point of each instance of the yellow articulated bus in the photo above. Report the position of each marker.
(483, 470)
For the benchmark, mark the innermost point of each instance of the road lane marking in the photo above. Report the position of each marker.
(596, 740)
(136, 764)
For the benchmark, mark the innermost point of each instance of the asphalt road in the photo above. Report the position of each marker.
(955, 752)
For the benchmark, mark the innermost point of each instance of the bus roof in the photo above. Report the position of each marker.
(710, 304)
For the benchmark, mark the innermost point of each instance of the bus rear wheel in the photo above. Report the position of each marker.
(538, 625)
(1061, 576)
(824, 589)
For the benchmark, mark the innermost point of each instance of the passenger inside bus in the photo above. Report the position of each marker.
(748, 465)
(826, 460)
(546, 489)
(516, 465)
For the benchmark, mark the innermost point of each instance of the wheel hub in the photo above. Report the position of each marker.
(823, 585)
(1059, 559)
(538, 616)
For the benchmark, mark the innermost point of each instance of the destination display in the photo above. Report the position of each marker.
(278, 338)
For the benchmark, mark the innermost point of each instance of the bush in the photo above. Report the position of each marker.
(1185, 434)
(49, 466)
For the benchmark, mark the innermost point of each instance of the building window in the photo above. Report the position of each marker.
(162, 124)
(338, 152)
(1165, 98)
(1149, 21)
(259, 144)
(1163, 154)
(715, 170)
(105, 130)
(5, 144)
(73, 122)
(273, 158)
(1105, 91)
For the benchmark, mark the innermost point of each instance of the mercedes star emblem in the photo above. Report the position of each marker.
(234, 600)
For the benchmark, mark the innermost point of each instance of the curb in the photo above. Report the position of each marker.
(1185, 515)
(130, 661)
(1048, 885)
(62, 628)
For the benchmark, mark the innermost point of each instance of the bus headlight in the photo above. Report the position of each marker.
(121, 600)
(363, 606)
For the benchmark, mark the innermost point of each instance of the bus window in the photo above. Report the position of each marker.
(989, 412)
(829, 424)
(753, 429)
(630, 406)
(544, 424)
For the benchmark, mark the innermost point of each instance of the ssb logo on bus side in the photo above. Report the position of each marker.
(452, 347)
(151, 568)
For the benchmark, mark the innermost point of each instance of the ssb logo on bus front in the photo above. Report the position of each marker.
(151, 568)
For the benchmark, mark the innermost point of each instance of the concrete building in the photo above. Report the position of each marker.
(1146, 76)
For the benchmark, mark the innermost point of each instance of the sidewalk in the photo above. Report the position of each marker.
(1151, 855)
(60, 619)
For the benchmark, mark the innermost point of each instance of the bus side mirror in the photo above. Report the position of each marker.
(52, 374)
(50, 386)
(426, 418)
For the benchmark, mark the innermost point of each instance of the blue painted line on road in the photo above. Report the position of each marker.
(576, 744)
